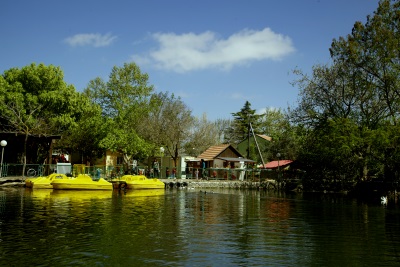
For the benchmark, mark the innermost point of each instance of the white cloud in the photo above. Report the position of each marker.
(90, 39)
(187, 52)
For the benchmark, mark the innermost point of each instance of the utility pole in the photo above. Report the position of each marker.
(248, 136)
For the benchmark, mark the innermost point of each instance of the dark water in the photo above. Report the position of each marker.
(194, 228)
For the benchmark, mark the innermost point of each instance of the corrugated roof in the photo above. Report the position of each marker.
(276, 163)
(213, 151)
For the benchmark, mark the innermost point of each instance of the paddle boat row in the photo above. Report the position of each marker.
(85, 182)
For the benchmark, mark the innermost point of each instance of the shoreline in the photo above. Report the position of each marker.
(19, 181)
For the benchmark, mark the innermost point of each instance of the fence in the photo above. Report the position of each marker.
(110, 172)
(226, 174)
(96, 171)
(30, 170)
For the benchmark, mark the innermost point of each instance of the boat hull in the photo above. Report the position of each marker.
(82, 182)
(138, 182)
(44, 182)
(74, 186)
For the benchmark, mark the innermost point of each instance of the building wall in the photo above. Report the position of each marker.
(228, 153)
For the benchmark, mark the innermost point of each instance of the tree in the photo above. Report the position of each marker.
(371, 52)
(168, 124)
(359, 90)
(87, 134)
(202, 135)
(222, 125)
(239, 129)
(37, 102)
(125, 101)
(285, 137)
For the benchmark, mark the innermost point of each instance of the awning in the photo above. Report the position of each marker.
(236, 159)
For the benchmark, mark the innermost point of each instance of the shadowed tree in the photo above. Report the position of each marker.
(357, 98)
(37, 102)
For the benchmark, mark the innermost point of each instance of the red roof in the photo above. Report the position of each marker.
(274, 164)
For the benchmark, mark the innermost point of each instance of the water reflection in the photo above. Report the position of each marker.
(193, 228)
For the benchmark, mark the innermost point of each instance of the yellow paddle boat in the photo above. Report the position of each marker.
(137, 182)
(44, 182)
(81, 182)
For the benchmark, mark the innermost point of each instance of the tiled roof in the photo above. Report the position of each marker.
(213, 151)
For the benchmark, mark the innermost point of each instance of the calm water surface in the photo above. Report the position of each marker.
(194, 228)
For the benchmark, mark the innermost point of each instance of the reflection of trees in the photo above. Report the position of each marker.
(238, 227)
(238, 221)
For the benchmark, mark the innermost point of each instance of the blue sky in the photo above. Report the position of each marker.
(215, 55)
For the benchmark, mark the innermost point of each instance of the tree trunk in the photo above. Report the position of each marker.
(49, 158)
(24, 155)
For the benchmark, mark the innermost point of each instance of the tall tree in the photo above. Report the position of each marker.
(239, 129)
(168, 125)
(222, 125)
(37, 102)
(371, 52)
(202, 135)
(359, 90)
(125, 101)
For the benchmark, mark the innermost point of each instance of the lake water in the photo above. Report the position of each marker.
(183, 227)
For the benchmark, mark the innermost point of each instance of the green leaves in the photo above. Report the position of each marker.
(37, 101)
(240, 126)
(350, 107)
(124, 100)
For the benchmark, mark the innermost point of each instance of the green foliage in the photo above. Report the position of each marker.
(239, 129)
(125, 100)
(38, 99)
(350, 109)
(36, 102)
(86, 135)
(275, 124)
(168, 125)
